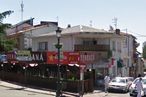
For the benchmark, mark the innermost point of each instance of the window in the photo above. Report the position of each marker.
(43, 46)
(125, 42)
(119, 46)
(90, 42)
(113, 46)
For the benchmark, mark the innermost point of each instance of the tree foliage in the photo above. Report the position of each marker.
(5, 44)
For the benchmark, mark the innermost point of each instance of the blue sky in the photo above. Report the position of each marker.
(131, 14)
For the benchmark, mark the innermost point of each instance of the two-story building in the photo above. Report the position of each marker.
(99, 49)
(22, 32)
(104, 51)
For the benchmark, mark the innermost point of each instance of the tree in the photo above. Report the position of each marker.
(4, 26)
(5, 44)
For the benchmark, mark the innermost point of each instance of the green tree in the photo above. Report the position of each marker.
(5, 43)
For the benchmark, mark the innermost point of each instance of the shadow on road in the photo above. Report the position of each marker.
(118, 92)
(16, 89)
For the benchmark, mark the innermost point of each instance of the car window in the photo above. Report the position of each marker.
(130, 79)
(114, 80)
(122, 81)
(144, 81)
(119, 80)
(135, 81)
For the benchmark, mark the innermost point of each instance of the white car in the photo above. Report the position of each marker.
(119, 84)
(132, 89)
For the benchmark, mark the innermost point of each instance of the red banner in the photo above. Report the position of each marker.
(73, 58)
(65, 58)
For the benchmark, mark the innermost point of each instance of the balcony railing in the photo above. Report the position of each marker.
(92, 47)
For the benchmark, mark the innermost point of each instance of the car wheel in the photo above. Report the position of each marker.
(126, 90)
(131, 95)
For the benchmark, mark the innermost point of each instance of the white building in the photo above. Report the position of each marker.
(23, 32)
(99, 49)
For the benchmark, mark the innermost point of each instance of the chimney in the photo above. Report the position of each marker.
(117, 31)
(68, 26)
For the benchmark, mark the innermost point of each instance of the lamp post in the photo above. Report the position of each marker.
(82, 67)
(58, 46)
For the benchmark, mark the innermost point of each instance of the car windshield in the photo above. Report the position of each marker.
(119, 80)
(143, 81)
(130, 79)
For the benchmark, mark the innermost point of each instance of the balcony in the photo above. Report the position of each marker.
(91, 47)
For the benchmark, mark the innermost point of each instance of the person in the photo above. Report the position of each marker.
(106, 82)
(139, 87)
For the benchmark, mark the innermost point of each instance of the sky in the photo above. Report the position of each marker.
(130, 14)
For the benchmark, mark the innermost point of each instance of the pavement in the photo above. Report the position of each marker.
(96, 93)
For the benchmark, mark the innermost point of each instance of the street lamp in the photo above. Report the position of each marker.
(58, 46)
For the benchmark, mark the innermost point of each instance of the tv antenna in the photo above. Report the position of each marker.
(57, 19)
(22, 10)
(115, 19)
(90, 23)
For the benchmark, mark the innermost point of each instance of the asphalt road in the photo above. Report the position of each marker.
(19, 92)
(102, 94)
(15, 92)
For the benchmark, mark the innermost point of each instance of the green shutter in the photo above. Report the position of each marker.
(120, 63)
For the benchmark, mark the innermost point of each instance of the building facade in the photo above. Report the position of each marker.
(99, 49)
(110, 52)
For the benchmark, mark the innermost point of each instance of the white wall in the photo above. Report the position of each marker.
(66, 41)
(43, 30)
(36, 32)
(35, 42)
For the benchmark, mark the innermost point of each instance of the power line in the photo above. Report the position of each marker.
(139, 35)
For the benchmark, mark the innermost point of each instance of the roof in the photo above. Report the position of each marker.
(76, 29)
(28, 21)
(81, 28)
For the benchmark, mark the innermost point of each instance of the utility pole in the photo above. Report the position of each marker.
(57, 18)
(115, 22)
(90, 23)
(22, 10)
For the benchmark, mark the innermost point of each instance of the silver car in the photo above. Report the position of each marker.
(119, 84)
(132, 89)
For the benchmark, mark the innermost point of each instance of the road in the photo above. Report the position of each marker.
(102, 94)
(19, 92)
(15, 92)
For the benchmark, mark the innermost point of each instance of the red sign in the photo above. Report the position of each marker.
(73, 58)
(87, 57)
(65, 58)
(52, 58)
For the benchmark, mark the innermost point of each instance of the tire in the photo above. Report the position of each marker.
(131, 95)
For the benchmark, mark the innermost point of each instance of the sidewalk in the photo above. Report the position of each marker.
(96, 93)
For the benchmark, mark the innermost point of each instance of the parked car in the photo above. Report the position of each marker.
(120, 84)
(132, 89)
(130, 80)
